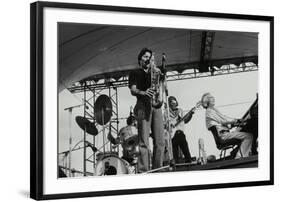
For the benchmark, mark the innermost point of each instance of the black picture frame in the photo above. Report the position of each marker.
(37, 98)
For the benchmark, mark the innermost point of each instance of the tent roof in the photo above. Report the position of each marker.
(96, 51)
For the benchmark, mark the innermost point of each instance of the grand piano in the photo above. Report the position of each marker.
(251, 119)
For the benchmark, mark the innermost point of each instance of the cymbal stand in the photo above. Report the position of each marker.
(69, 109)
(103, 130)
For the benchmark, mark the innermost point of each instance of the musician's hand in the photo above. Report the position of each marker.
(111, 139)
(241, 121)
(157, 70)
(238, 122)
(193, 110)
(149, 92)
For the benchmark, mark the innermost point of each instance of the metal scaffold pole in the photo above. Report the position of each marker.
(70, 141)
(94, 137)
(84, 138)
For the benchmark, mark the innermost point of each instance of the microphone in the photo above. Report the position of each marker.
(163, 57)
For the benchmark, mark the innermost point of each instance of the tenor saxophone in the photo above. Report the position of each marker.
(157, 84)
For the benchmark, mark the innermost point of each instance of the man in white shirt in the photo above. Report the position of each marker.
(222, 122)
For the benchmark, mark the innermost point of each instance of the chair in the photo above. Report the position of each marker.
(223, 146)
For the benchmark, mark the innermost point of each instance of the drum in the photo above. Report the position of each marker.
(102, 155)
(113, 165)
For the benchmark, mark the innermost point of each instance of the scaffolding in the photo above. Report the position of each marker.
(90, 96)
(105, 83)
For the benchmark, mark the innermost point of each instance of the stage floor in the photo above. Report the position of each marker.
(247, 162)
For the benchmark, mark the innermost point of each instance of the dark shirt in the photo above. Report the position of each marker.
(142, 80)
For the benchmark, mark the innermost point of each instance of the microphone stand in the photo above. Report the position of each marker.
(170, 149)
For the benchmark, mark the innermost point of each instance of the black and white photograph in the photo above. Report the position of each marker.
(148, 100)
(140, 101)
(132, 100)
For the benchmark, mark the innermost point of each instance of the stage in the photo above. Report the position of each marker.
(247, 162)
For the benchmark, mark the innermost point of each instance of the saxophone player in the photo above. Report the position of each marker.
(149, 118)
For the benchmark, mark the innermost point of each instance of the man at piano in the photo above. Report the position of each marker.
(222, 123)
(177, 121)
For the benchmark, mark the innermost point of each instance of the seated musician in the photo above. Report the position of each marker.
(222, 122)
(177, 134)
(127, 137)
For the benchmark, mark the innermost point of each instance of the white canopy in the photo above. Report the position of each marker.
(96, 51)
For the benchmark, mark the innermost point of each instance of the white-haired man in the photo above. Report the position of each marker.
(215, 118)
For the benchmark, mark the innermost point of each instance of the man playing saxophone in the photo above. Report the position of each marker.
(149, 117)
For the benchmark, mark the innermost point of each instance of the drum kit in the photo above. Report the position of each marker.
(113, 165)
(108, 162)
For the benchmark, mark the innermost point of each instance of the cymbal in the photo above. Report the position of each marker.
(103, 109)
(86, 125)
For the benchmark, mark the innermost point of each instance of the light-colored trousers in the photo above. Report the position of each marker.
(246, 141)
(150, 119)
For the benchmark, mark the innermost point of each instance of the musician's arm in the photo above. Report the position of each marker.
(119, 139)
(133, 86)
(227, 120)
(113, 140)
(135, 91)
(214, 116)
(188, 117)
(120, 136)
